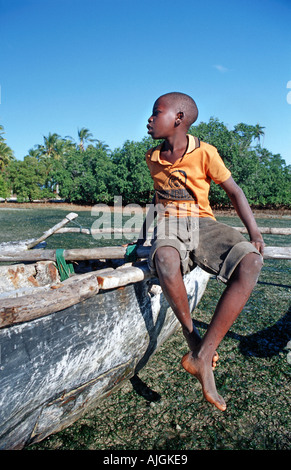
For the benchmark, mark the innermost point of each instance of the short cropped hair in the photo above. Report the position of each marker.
(183, 103)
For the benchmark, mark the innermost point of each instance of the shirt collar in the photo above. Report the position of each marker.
(193, 143)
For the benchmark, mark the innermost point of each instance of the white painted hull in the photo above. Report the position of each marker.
(56, 367)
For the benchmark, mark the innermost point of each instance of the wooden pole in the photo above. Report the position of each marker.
(112, 252)
(268, 230)
(263, 230)
(71, 216)
(277, 252)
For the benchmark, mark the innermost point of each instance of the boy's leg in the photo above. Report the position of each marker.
(168, 266)
(231, 303)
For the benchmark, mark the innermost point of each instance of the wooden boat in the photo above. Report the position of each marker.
(67, 345)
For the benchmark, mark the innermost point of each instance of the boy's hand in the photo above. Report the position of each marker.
(258, 243)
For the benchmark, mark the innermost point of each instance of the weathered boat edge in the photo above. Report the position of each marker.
(56, 387)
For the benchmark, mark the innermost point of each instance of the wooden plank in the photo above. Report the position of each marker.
(268, 230)
(109, 252)
(44, 302)
(71, 216)
(277, 252)
(70, 292)
(115, 252)
(126, 230)
(124, 276)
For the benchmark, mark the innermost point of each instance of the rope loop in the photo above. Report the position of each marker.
(65, 269)
(131, 254)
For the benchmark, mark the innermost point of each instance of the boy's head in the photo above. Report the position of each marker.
(170, 111)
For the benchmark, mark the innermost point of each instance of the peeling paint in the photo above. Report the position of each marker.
(54, 368)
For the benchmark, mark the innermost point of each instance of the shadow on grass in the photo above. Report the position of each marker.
(265, 343)
(143, 390)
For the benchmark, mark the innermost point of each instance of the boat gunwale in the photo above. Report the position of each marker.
(44, 300)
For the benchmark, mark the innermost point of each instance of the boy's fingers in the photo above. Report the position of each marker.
(259, 246)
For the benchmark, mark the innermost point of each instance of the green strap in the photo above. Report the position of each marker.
(130, 254)
(65, 269)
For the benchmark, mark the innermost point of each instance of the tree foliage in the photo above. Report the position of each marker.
(265, 178)
(88, 172)
(132, 179)
(6, 156)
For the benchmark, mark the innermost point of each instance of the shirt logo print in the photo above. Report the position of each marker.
(177, 184)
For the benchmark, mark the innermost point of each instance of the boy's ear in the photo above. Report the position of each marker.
(180, 117)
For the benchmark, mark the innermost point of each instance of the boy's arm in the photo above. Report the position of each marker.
(241, 205)
(151, 214)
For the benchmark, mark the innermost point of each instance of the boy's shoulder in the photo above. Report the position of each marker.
(208, 147)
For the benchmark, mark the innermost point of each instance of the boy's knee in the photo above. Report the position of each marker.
(167, 260)
(252, 263)
(256, 261)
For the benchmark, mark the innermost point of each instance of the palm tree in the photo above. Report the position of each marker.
(49, 149)
(34, 153)
(6, 155)
(258, 132)
(102, 146)
(84, 136)
(1, 132)
(52, 149)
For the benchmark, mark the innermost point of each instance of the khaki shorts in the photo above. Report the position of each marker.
(215, 247)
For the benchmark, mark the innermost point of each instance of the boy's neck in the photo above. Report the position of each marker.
(174, 147)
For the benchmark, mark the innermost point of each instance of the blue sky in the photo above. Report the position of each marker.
(68, 64)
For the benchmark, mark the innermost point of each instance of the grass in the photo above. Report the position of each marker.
(253, 376)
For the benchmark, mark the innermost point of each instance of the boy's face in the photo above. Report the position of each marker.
(161, 124)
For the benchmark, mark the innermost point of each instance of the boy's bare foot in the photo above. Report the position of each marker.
(194, 339)
(204, 374)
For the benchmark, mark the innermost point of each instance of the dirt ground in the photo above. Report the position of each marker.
(281, 212)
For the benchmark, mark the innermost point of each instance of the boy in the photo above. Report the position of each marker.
(182, 168)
